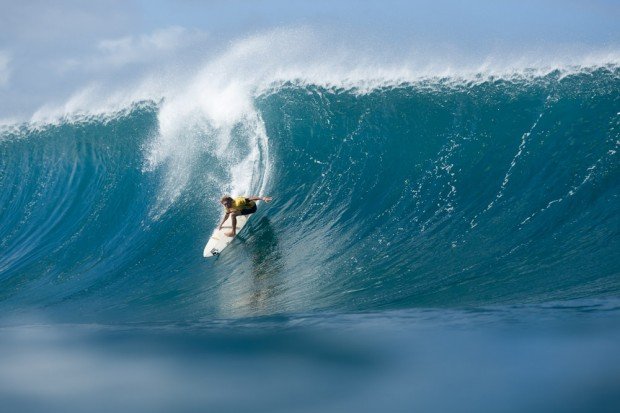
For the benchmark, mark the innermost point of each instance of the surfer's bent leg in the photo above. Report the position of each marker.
(233, 217)
(249, 211)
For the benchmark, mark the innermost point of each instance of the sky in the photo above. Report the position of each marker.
(53, 52)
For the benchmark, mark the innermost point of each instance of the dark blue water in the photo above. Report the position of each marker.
(443, 245)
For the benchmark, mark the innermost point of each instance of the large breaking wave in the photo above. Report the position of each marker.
(436, 192)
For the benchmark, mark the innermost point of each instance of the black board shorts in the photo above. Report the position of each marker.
(248, 211)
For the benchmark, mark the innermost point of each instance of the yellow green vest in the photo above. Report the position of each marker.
(240, 203)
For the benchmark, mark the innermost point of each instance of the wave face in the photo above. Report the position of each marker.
(436, 193)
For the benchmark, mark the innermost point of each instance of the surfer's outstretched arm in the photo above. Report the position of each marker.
(224, 220)
(260, 198)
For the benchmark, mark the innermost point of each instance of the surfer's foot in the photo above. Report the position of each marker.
(230, 234)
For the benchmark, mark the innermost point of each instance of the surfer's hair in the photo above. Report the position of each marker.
(225, 198)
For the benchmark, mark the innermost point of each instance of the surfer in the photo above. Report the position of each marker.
(239, 206)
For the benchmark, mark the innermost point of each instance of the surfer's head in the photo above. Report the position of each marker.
(226, 201)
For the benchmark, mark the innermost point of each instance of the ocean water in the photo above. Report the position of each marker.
(439, 244)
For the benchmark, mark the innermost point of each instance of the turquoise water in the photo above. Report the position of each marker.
(431, 244)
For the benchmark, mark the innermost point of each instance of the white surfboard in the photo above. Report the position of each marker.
(219, 240)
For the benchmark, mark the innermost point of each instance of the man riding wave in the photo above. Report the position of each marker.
(239, 206)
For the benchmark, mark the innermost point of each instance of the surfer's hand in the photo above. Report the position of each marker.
(267, 199)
